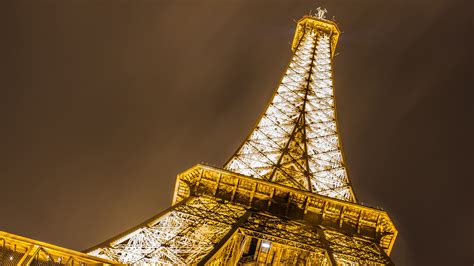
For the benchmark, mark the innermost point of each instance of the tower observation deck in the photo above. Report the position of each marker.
(283, 198)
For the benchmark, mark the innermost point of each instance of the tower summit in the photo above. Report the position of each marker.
(283, 198)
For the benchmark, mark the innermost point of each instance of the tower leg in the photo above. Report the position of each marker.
(225, 239)
(183, 235)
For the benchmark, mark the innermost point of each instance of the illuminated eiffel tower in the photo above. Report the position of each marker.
(284, 197)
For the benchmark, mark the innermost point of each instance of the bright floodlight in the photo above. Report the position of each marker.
(265, 245)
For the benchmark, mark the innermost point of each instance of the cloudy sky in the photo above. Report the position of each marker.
(104, 102)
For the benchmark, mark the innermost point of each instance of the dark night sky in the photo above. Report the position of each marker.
(103, 102)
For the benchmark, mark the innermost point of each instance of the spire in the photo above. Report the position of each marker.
(321, 13)
(296, 142)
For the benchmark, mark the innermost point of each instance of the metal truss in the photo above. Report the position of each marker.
(182, 236)
(283, 201)
(286, 232)
(269, 253)
(206, 231)
(350, 250)
(295, 143)
(291, 242)
(18, 250)
(218, 214)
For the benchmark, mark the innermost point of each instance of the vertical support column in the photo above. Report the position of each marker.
(234, 190)
(254, 189)
(341, 216)
(218, 182)
(359, 221)
(201, 173)
(270, 198)
(327, 246)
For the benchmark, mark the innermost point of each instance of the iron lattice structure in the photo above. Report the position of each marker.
(18, 250)
(284, 197)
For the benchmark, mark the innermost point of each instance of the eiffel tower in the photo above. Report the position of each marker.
(283, 198)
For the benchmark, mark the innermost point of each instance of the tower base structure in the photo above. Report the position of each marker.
(219, 217)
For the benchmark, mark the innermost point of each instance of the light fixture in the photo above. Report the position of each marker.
(265, 245)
